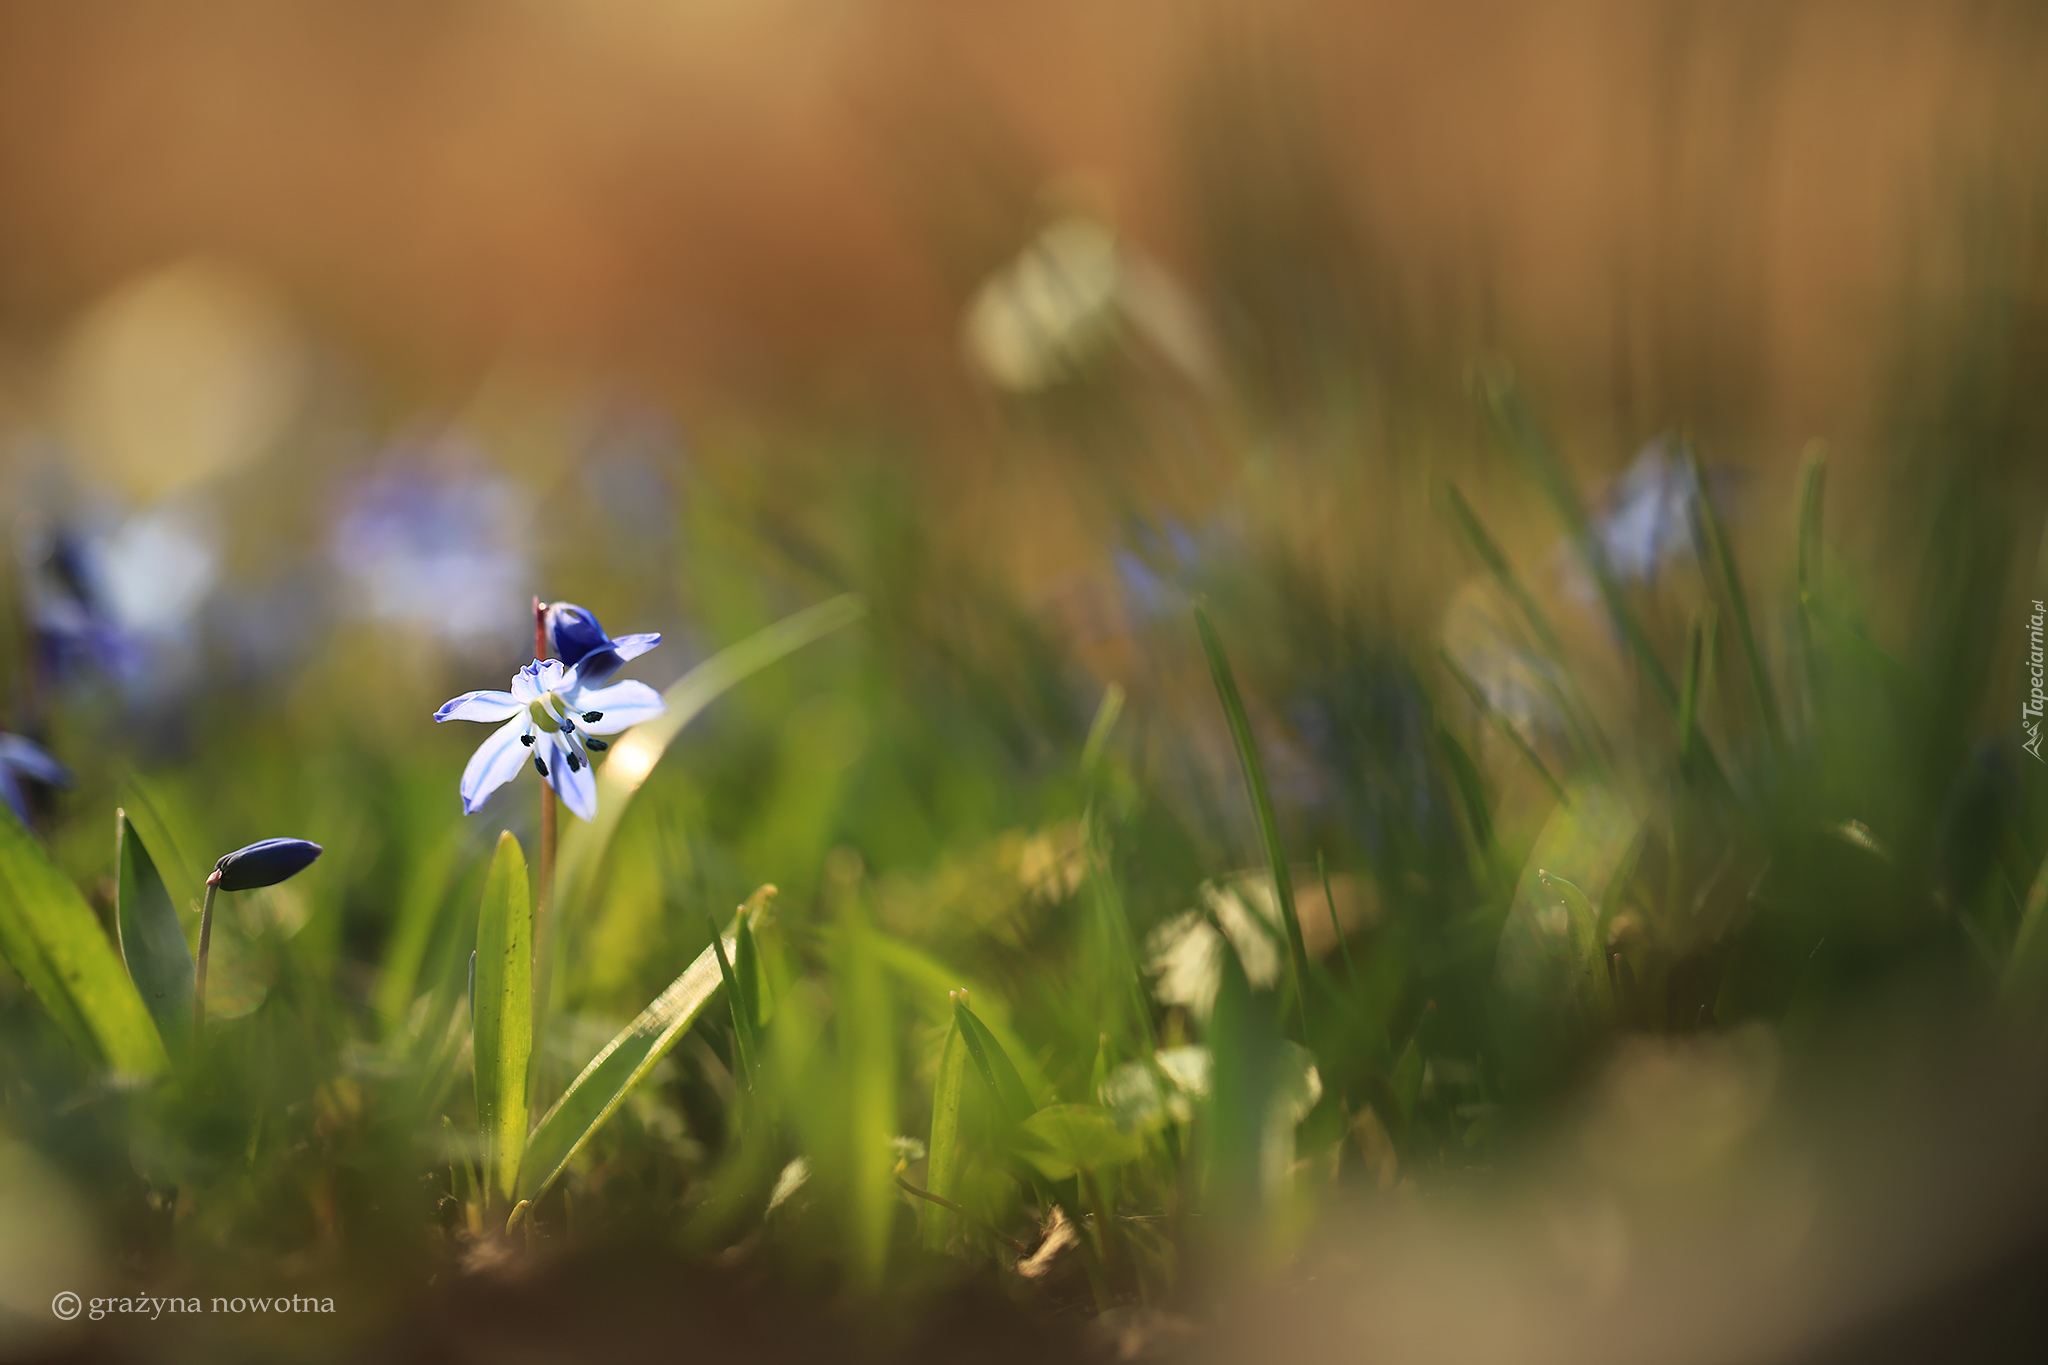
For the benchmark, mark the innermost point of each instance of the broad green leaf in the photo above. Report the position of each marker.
(152, 940)
(944, 1158)
(614, 1071)
(54, 941)
(1064, 1138)
(501, 1020)
(1262, 803)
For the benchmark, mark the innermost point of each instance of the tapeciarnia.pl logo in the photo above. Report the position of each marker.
(2037, 698)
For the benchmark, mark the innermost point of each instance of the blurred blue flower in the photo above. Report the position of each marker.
(121, 600)
(1649, 516)
(580, 642)
(21, 758)
(437, 549)
(555, 715)
(1162, 568)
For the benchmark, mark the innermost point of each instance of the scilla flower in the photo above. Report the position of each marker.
(580, 642)
(553, 718)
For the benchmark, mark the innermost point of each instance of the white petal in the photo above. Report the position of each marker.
(621, 705)
(479, 706)
(495, 762)
(578, 789)
(633, 646)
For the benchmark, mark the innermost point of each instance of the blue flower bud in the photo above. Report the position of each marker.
(580, 642)
(263, 864)
(573, 633)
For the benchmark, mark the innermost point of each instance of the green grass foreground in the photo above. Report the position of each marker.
(913, 967)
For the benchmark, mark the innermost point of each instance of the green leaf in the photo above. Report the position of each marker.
(501, 1025)
(614, 1071)
(944, 1158)
(1064, 1138)
(993, 1065)
(1591, 982)
(184, 876)
(152, 940)
(1262, 803)
(52, 938)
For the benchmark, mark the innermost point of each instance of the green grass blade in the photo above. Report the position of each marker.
(614, 1071)
(926, 978)
(945, 1161)
(55, 942)
(420, 908)
(1715, 534)
(183, 874)
(867, 1070)
(1262, 803)
(501, 1024)
(1336, 928)
(746, 970)
(1571, 706)
(992, 1063)
(1689, 701)
(1504, 725)
(1522, 433)
(635, 755)
(152, 941)
(745, 1049)
(2026, 970)
(1489, 552)
(1813, 479)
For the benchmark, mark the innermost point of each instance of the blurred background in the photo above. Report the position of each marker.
(331, 334)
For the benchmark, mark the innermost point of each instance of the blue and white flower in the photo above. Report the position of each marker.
(553, 717)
